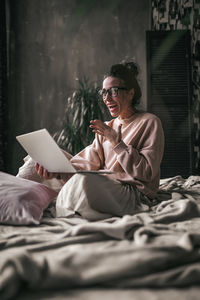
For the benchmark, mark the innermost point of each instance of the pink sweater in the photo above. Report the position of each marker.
(136, 159)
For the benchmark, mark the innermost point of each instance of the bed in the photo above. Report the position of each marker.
(153, 254)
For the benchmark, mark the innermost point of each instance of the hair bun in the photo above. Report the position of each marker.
(127, 71)
(132, 67)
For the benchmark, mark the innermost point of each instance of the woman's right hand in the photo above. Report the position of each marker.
(45, 174)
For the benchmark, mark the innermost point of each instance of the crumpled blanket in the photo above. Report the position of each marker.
(158, 248)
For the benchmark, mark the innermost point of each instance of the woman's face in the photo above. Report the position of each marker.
(118, 101)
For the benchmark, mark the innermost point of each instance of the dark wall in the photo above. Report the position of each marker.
(54, 42)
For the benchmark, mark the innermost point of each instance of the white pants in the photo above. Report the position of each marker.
(96, 197)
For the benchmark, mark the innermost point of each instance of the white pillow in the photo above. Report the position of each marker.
(27, 171)
(22, 201)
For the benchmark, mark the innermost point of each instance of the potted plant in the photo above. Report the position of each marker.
(84, 105)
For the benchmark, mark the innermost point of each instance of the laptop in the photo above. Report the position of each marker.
(43, 149)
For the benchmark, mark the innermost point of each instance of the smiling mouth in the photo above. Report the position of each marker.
(112, 106)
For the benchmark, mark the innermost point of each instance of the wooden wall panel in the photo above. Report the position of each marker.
(170, 97)
(184, 15)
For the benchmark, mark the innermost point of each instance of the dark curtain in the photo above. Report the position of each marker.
(3, 86)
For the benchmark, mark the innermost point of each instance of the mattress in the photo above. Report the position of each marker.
(141, 254)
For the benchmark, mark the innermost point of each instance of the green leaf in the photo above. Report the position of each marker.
(81, 107)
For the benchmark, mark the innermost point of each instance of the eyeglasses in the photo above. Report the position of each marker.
(113, 91)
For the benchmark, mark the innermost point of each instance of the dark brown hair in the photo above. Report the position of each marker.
(128, 72)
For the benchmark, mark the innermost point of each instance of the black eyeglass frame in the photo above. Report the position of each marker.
(104, 92)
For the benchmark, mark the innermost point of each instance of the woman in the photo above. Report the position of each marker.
(130, 145)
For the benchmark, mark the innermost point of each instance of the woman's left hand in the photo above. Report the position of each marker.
(109, 133)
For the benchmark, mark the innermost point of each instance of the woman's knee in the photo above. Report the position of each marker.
(102, 193)
(94, 188)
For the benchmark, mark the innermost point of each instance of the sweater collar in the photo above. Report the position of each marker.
(129, 120)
